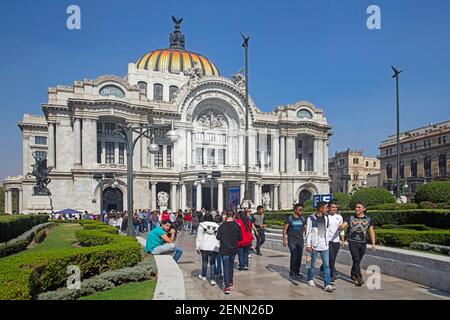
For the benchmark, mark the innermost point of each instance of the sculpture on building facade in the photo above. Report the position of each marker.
(163, 200)
(266, 200)
(239, 80)
(196, 74)
(211, 120)
(177, 38)
(40, 172)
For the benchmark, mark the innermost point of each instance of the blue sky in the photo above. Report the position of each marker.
(320, 51)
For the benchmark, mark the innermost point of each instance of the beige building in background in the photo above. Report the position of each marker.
(351, 169)
(424, 156)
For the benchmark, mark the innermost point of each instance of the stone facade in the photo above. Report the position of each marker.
(424, 156)
(350, 169)
(288, 147)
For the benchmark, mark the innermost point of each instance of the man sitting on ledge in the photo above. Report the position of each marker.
(159, 242)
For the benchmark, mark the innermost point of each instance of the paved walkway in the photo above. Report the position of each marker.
(268, 278)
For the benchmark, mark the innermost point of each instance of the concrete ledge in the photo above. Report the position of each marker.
(170, 283)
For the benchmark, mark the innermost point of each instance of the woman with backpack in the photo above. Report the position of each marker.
(208, 246)
(247, 238)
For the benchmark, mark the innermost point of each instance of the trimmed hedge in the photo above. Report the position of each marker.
(404, 238)
(436, 192)
(395, 206)
(12, 226)
(40, 236)
(12, 248)
(371, 197)
(430, 247)
(418, 227)
(27, 274)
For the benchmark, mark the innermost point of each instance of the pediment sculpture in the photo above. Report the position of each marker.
(211, 120)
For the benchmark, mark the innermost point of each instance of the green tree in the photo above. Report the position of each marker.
(371, 197)
(343, 199)
(436, 192)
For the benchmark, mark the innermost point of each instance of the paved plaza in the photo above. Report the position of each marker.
(268, 278)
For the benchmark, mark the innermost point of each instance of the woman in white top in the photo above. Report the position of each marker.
(208, 246)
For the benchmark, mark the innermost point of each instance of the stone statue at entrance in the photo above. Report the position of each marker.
(266, 200)
(40, 172)
(163, 200)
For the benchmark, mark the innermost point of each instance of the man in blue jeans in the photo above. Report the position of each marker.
(317, 242)
(159, 242)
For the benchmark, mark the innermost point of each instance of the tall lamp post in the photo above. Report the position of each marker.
(396, 76)
(130, 142)
(246, 201)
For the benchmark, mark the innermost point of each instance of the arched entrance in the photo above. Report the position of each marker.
(112, 199)
(304, 196)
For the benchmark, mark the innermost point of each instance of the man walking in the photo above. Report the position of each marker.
(293, 231)
(260, 224)
(334, 235)
(317, 243)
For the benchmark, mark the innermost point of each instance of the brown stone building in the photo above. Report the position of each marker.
(351, 169)
(424, 156)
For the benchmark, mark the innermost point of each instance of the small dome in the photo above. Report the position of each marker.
(176, 58)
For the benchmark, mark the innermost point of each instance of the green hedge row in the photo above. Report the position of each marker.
(27, 274)
(12, 248)
(432, 218)
(12, 226)
(404, 238)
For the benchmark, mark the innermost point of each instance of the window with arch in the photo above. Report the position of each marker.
(111, 90)
(158, 92)
(442, 165)
(172, 91)
(402, 170)
(427, 166)
(304, 114)
(389, 171)
(142, 85)
(413, 168)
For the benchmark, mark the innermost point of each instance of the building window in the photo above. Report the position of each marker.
(159, 158)
(444, 139)
(142, 85)
(211, 154)
(299, 144)
(199, 136)
(40, 155)
(158, 92)
(439, 140)
(374, 164)
(300, 160)
(110, 150)
(172, 91)
(40, 140)
(99, 127)
(169, 157)
(442, 165)
(99, 152)
(221, 155)
(110, 127)
(367, 163)
(413, 168)
(121, 153)
(389, 171)
(402, 170)
(427, 166)
(199, 155)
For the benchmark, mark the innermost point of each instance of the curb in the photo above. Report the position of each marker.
(170, 283)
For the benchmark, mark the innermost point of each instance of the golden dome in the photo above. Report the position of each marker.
(176, 58)
(176, 61)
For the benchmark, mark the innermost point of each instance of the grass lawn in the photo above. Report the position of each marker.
(61, 236)
(130, 291)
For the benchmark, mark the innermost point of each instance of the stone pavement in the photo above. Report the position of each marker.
(268, 278)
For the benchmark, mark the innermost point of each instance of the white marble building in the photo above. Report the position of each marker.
(288, 146)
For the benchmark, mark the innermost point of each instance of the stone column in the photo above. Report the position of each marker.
(241, 149)
(173, 196)
(116, 153)
(10, 202)
(315, 156)
(103, 145)
(77, 138)
(6, 201)
(51, 146)
(20, 200)
(325, 156)
(320, 160)
(290, 155)
(89, 136)
(188, 148)
(275, 197)
(242, 193)
(252, 149)
(183, 196)
(165, 156)
(230, 150)
(154, 204)
(282, 154)
(199, 196)
(275, 154)
(220, 196)
(257, 194)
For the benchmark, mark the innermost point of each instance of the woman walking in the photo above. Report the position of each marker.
(247, 238)
(208, 246)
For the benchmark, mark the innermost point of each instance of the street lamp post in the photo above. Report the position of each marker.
(246, 201)
(396, 76)
(127, 133)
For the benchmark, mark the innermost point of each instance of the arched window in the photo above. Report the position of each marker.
(389, 171)
(402, 170)
(172, 91)
(142, 85)
(427, 166)
(158, 92)
(414, 168)
(442, 165)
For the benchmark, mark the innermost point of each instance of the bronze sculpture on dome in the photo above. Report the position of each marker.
(176, 37)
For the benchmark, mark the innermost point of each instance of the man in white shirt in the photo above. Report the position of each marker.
(335, 236)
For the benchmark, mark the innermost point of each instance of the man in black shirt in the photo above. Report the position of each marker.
(293, 231)
(358, 227)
